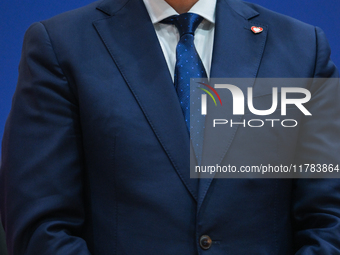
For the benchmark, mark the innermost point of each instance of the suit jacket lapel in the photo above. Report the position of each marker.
(237, 54)
(132, 42)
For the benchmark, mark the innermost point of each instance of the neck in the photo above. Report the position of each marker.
(181, 6)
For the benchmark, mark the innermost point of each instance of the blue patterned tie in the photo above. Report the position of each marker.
(189, 65)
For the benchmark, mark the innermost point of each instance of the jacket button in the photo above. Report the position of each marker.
(205, 242)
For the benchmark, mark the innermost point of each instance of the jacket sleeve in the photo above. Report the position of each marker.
(316, 202)
(41, 177)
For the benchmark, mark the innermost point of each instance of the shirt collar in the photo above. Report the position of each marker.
(159, 9)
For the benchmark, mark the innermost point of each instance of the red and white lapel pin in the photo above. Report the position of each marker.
(256, 30)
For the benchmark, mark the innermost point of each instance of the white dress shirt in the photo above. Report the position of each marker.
(168, 35)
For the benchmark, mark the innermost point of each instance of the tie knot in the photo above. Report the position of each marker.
(186, 23)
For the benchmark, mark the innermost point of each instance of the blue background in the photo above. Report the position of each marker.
(16, 16)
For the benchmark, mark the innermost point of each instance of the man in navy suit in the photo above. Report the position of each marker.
(96, 150)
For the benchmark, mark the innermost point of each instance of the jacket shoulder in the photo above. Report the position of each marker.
(280, 21)
(74, 20)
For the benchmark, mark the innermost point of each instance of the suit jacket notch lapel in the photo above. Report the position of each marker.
(133, 44)
(237, 54)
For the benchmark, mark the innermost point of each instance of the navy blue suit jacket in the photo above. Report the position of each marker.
(95, 155)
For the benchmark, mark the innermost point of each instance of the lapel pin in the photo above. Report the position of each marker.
(256, 30)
